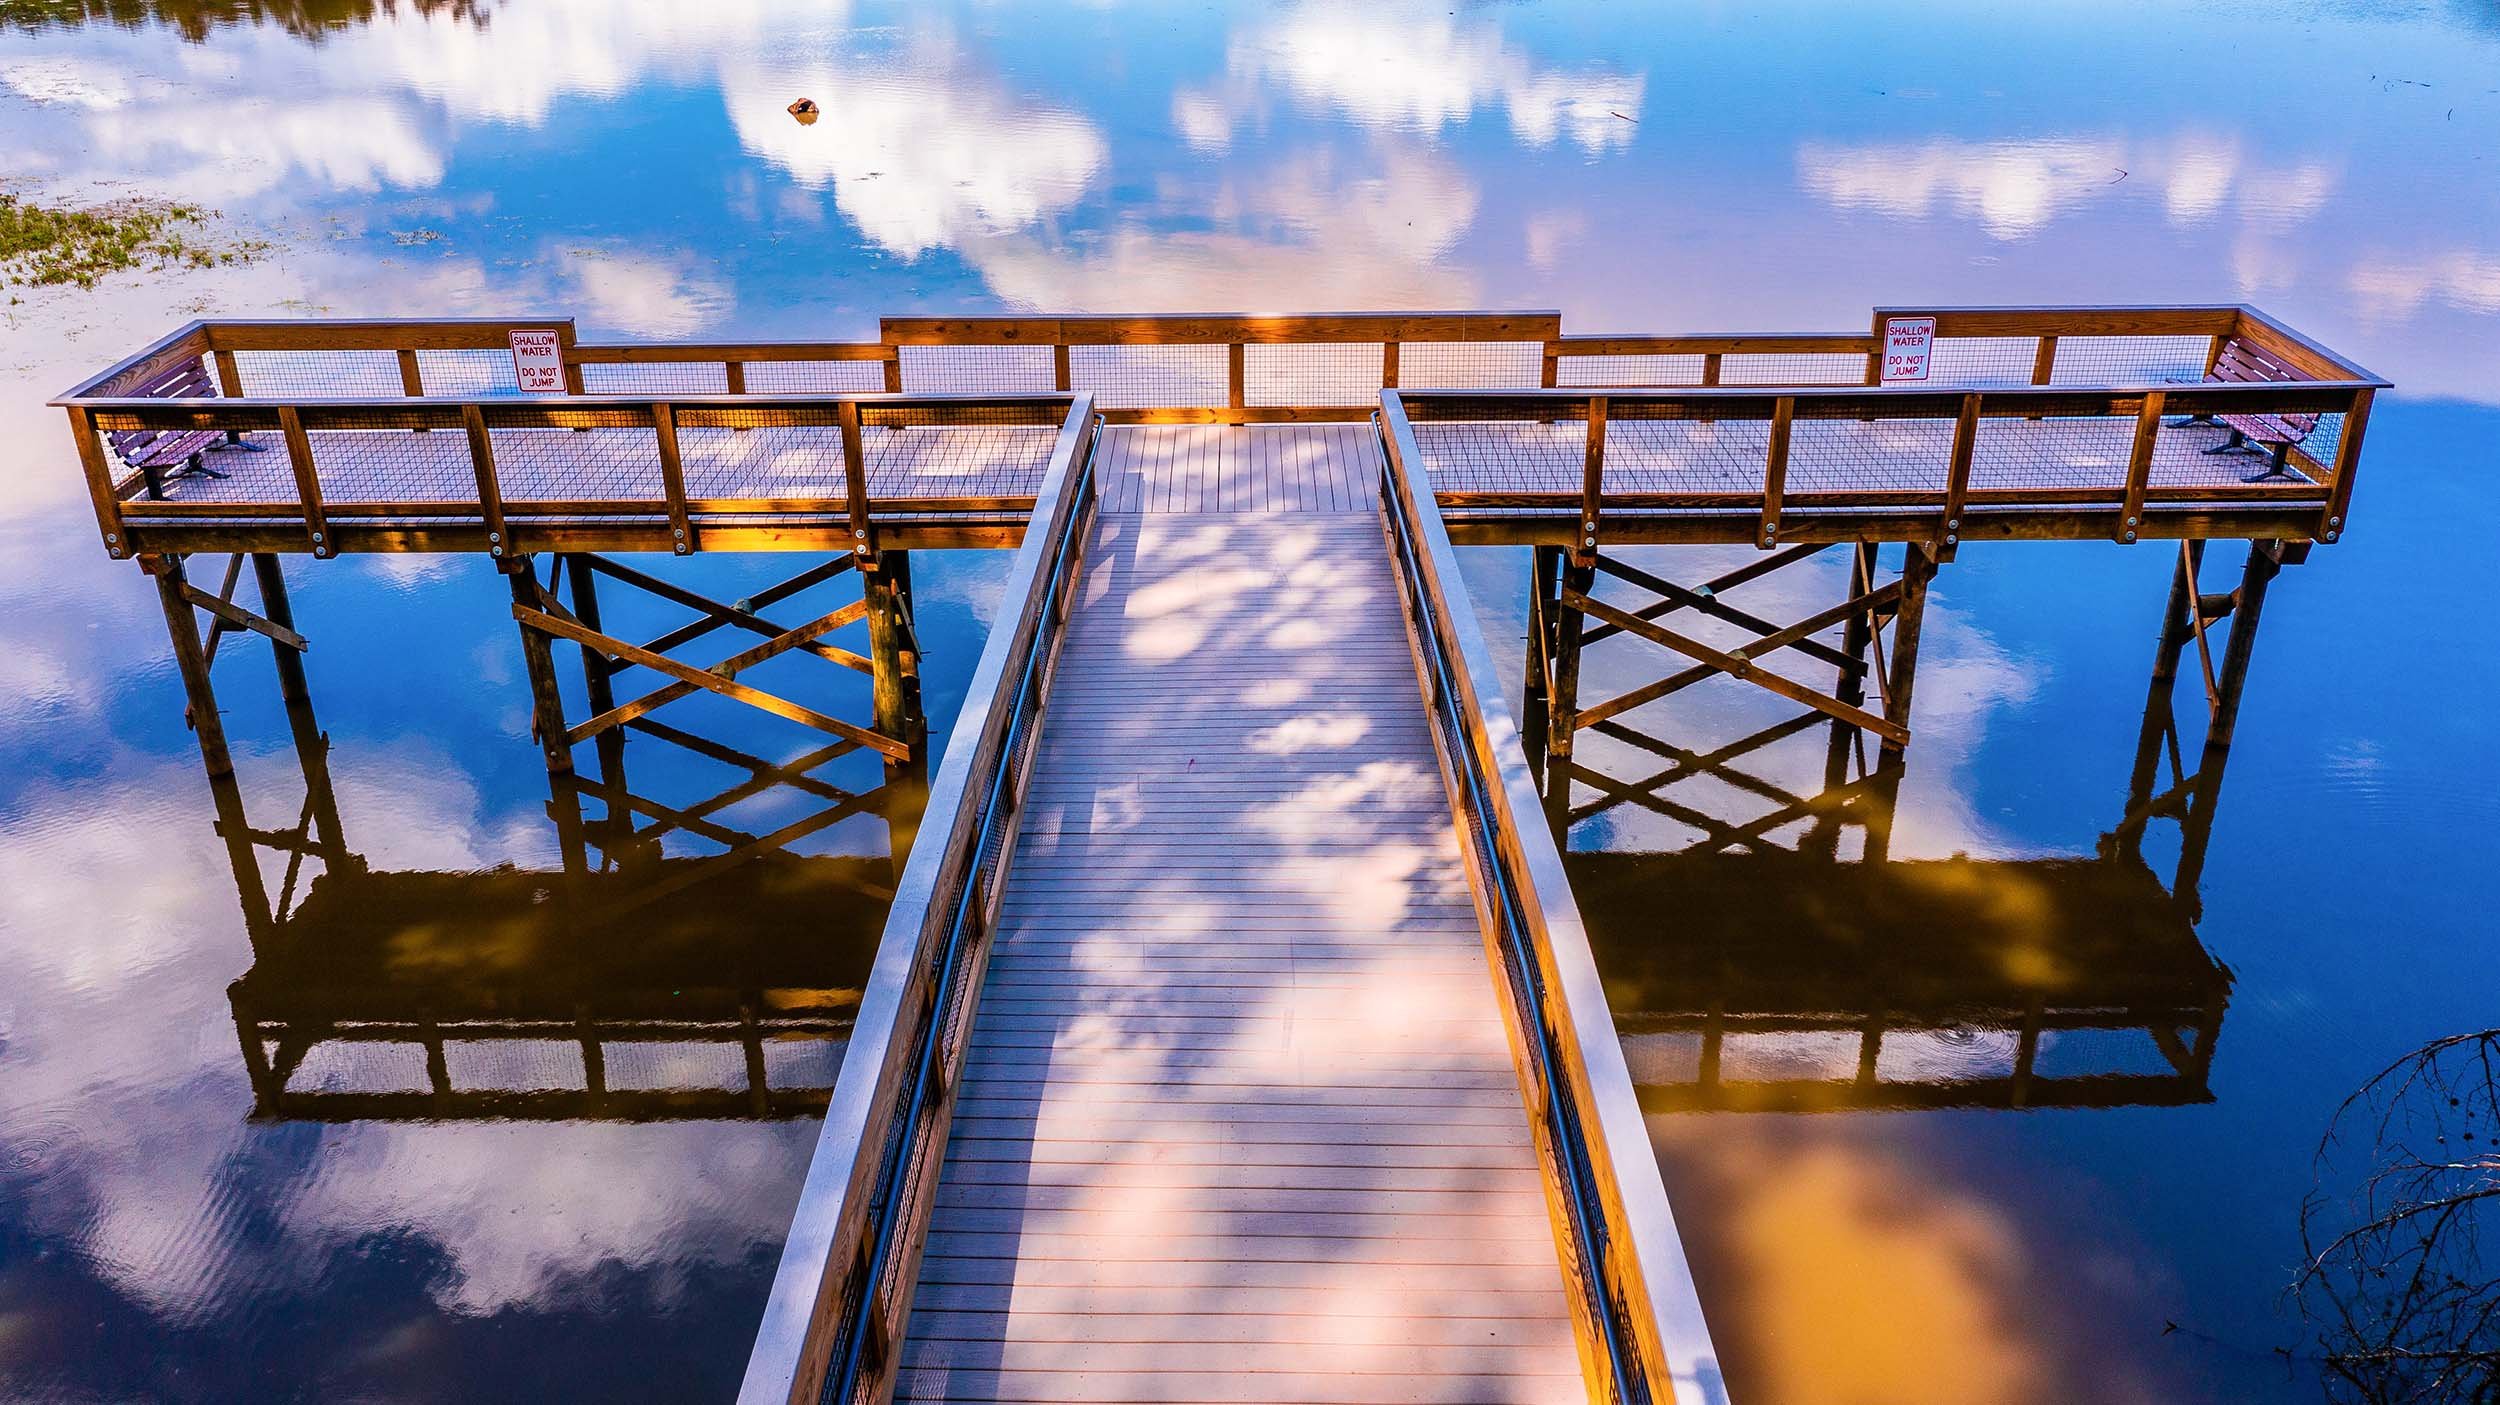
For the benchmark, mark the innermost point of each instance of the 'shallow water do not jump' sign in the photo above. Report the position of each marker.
(538, 360)
(1908, 342)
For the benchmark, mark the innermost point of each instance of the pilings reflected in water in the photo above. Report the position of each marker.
(1807, 968)
(675, 963)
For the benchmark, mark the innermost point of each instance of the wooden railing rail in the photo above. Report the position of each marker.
(1782, 414)
(669, 518)
(1643, 1335)
(832, 1328)
(1347, 397)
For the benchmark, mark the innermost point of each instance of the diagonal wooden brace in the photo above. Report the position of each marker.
(1738, 666)
(689, 678)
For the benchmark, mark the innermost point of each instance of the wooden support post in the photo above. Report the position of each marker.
(1563, 704)
(886, 587)
(1918, 569)
(1534, 715)
(598, 681)
(191, 663)
(312, 746)
(547, 715)
(673, 479)
(1236, 377)
(2255, 577)
(2157, 727)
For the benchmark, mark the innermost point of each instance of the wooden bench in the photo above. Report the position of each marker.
(2275, 436)
(151, 450)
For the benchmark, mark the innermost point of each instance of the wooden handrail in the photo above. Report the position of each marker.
(829, 1255)
(1641, 1273)
(1214, 328)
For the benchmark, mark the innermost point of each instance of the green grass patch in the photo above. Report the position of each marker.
(44, 245)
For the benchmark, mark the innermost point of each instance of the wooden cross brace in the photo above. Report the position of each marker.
(549, 618)
(1875, 605)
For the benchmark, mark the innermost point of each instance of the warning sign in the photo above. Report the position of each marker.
(1908, 343)
(538, 360)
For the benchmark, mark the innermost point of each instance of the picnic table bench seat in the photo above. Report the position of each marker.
(2273, 435)
(152, 451)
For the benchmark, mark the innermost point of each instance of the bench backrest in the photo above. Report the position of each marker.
(2246, 362)
(184, 380)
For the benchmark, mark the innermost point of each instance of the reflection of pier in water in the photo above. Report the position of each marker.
(629, 983)
(1808, 977)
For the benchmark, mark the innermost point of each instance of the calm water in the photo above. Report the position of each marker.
(1732, 168)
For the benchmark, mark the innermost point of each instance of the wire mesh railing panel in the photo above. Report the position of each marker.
(814, 377)
(655, 378)
(469, 371)
(1503, 456)
(1670, 456)
(1628, 370)
(375, 465)
(996, 369)
(783, 461)
(2129, 360)
(1793, 368)
(973, 461)
(1138, 377)
(2055, 452)
(1983, 360)
(1470, 365)
(314, 375)
(1325, 374)
(618, 464)
(1885, 455)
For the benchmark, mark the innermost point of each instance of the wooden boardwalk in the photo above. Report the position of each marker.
(1240, 1120)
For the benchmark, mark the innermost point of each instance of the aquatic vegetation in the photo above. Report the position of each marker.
(43, 245)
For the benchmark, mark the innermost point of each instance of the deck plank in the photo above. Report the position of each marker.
(1239, 1120)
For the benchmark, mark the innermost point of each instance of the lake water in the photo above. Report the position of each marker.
(1762, 167)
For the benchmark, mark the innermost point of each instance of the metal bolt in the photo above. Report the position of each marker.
(494, 536)
(862, 534)
(1953, 524)
(1592, 540)
(108, 536)
(1590, 525)
(2130, 521)
(1950, 539)
(2131, 536)
(316, 536)
(681, 534)
(2330, 536)
(494, 551)
(2332, 522)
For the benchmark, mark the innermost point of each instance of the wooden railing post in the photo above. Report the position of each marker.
(1388, 365)
(734, 376)
(100, 489)
(855, 476)
(307, 481)
(1957, 475)
(2140, 464)
(411, 378)
(2347, 463)
(2044, 364)
(1236, 377)
(1592, 484)
(673, 477)
(1775, 471)
(489, 486)
(1060, 372)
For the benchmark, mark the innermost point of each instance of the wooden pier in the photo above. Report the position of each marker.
(1233, 1034)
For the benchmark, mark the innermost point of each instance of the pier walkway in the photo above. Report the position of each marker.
(1233, 1034)
(1238, 1120)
